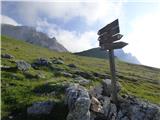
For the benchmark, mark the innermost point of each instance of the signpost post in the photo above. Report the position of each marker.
(107, 37)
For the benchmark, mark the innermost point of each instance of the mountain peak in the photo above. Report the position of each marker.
(120, 54)
(29, 34)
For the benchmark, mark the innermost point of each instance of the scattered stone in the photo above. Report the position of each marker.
(99, 75)
(72, 65)
(10, 117)
(29, 74)
(84, 74)
(66, 74)
(58, 61)
(78, 101)
(96, 105)
(82, 81)
(56, 69)
(40, 76)
(107, 87)
(6, 68)
(23, 65)
(41, 62)
(8, 56)
(39, 108)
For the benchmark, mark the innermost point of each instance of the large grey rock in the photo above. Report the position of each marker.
(22, 65)
(138, 110)
(107, 87)
(39, 108)
(5, 55)
(110, 109)
(78, 101)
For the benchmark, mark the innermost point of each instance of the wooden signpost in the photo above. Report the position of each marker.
(107, 37)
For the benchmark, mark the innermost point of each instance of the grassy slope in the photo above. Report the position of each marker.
(19, 92)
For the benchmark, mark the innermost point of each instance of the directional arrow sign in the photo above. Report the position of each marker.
(110, 46)
(110, 33)
(108, 27)
(110, 39)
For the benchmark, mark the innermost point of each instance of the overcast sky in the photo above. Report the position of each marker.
(75, 23)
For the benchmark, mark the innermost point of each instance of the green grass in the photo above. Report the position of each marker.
(20, 90)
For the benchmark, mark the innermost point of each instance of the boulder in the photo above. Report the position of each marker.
(107, 87)
(40, 108)
(82, 81)
(23, 65)
(78, 102)
(8, 56)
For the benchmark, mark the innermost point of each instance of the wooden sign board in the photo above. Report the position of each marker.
(110, 46)
(110, 39)
(108, 27)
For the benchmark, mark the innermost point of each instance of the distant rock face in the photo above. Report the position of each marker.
(30, 35)
(119, 53)
(78, 101)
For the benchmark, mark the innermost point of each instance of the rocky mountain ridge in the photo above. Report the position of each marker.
(120, 54)
(29, 34)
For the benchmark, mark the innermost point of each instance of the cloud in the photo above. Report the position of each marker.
(8, 20)
(72, 40)
(91, 11)
(144, 39)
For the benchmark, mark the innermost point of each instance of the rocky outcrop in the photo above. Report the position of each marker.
(78, 102)
(134, 109)
(99, 107)
(31, 35)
